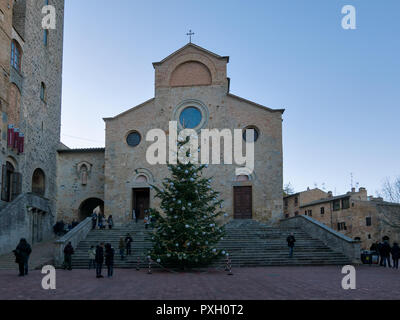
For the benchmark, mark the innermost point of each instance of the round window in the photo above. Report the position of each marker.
(133, 139)
(190, 117)
(246, 133)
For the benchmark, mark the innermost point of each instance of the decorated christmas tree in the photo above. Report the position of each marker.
(186, 232)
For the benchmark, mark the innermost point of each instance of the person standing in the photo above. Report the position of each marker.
(110, 222)
(122, 247)
(109, 255)
(395, 255)
(22, 253)
(68, 252)
(291, 240)
(99, 260)
(92, 257)
(135, 215)
(146, 221)
(380, 246)
(94, 220)
(128, 242)
(385, 253)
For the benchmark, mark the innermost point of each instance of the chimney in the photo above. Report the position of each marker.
(353, 190)
(363, 194)
(330, 195)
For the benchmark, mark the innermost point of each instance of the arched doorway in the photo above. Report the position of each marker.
(86, 208)
(38, 182)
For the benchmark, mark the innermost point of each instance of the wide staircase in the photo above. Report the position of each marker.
(249, 244)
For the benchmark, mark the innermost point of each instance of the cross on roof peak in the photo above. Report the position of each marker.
(190, 34)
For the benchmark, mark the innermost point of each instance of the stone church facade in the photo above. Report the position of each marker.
(190, 85)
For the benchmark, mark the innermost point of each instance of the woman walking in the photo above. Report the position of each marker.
(109, 255)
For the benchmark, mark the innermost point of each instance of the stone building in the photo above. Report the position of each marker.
(355, 214)
(30, 103)
(191, 88)
(292, 202)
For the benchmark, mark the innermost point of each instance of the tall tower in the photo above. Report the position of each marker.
(31, 119)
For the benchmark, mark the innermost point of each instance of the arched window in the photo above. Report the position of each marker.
(38, 182)
(16, 55)
(43, 91)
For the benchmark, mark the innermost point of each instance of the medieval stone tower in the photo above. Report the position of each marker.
(31, 117)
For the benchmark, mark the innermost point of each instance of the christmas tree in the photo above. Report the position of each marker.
(186, 234)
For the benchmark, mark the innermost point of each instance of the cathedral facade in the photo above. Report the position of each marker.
(191, 90)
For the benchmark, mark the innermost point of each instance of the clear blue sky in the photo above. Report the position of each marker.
(340, 88)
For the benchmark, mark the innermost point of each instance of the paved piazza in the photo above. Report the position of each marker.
(280, 283)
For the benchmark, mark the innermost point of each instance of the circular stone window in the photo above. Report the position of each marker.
(133, 139)
(191, 114)
(190, 117)
(256, 134)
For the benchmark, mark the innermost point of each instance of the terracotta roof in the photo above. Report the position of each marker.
(324, 200)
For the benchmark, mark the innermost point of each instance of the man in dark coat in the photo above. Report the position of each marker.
(109, 254)
(99, 260)
(380, 246)
(385, 253)
(68, 252)
(128, 241)
(22, 253)
(291, 240)
(94, 220)
(395, 255)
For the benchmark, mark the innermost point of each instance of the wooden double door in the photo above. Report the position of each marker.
(243, 202)
(141, 201)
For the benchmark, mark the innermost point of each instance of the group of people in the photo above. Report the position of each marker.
(104, 253)
(101, 221)
(99, 255)
(384, 251)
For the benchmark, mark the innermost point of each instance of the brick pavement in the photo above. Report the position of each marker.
(280, 283)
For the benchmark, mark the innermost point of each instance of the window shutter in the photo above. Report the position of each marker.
(16, 182)
(4, 183)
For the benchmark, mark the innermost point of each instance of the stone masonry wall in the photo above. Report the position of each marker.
(71, 192)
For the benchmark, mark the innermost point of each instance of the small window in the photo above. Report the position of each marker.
(345, 203)
(322, 210)
(133, 139)
(16, 55)
(368, 221)
(336, 205)
(310, 213)
(43, 92)
(296, 201)
(369, 236)
(256, 134)
(296, 213)
(286, 203)
(342, 226)
(286, 215)
(45, 37)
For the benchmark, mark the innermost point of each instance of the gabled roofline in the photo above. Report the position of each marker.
(129, 110)
(255, 104)
(194, 46)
